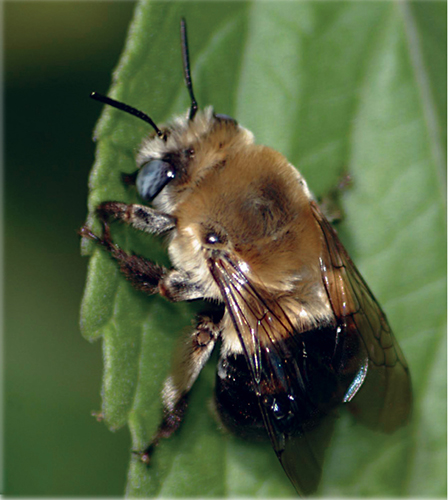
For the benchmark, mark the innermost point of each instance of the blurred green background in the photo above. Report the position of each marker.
(56, 53)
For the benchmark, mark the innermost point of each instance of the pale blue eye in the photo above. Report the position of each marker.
(225, 118)
(153, 177)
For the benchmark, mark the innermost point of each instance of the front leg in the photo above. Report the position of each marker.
(141, 217)
(143, 274)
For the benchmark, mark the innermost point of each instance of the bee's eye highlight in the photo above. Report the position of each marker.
(153, 177)
(215, 239)
(212, 238)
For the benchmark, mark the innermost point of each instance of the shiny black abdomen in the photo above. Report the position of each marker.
(303, 378)
(236, 399)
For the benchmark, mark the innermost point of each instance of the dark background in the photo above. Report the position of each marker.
(56, 53)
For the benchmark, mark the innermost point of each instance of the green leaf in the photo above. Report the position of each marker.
(336, 87)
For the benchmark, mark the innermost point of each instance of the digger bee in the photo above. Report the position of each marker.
(300, 333)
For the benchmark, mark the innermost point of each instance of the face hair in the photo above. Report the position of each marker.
(128, 109)
(186, 64)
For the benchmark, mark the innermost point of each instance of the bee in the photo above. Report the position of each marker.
(300, 333)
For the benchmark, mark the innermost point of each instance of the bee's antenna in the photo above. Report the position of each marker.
(127, 109)
(186, 63)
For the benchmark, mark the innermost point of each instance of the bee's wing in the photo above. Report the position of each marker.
(383, 389)
(306, 375)
(297, 387)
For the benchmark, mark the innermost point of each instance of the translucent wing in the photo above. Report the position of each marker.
(381, 395)
(294, 375)
(302, 377)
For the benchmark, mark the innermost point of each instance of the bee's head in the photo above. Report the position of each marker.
(175, 157)
(170, 168)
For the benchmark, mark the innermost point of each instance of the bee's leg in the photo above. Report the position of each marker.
(188, 362)
(145, 275)
(142, 273)
(139, 216)
(330, 203)
(178, 286)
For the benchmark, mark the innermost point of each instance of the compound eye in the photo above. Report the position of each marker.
(153, 177)
(225, 118)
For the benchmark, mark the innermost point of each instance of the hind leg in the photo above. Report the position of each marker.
(188, 363)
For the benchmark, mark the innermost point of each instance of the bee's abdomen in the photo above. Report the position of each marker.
(238, 403)
(303, 378)
(236, 399)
